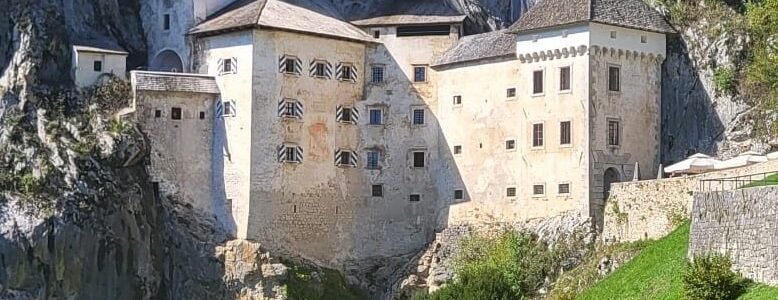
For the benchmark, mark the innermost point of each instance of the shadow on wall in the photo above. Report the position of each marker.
(222, 206)
(167, 61)
(690, 122)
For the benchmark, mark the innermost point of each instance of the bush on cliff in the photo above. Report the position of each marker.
(710, 277)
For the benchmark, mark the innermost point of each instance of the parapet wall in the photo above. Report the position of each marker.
(650, 209)
(739, 223)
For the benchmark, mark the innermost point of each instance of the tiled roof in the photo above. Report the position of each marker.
(625, 13)
(480, 46)
(101, 44)
(174, 82)
(411, 12)
(305, 16)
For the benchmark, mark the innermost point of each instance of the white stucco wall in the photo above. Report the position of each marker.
(83, 65)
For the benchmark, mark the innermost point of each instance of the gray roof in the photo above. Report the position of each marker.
(97, 44)
(309, 16)
(400, 12)
(174, 82)
(625, 13)
(480, 46)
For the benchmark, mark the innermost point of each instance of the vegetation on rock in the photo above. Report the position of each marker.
(308, 283)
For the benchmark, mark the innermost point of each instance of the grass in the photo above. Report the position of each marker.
(769, 180)
(656, 274)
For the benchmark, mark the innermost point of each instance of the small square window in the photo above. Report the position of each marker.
(457, 100)
(419, 159)
(175, 113)
(538, 190)
(157, 113)
(202, 115)
(511, 92)
(97, 66)
(613, 34)
(373, 160)
(414, 198)
(166, 22)
(614, 75)
(643, 39)
(510, 145)
(537, 82)
(419, 73)
(377, 190)
(418, 116)
(378, 74)
(345, 73)
(564, 188)
(457, 149)
(376, 34)
(320, 69)
(376, 116)
(459, 194)
(510, 192)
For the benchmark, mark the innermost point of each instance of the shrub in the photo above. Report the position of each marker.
(711, 278)
(724, 79)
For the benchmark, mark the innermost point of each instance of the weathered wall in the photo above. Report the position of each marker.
(741, 224)
(651, 209)
(83, 68)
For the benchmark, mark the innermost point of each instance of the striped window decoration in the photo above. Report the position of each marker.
(320, 69)
(290, 108)
(290, 65)
(346, 158)
(346, 72)
(227, 66)
(344, 114)
(289, 153)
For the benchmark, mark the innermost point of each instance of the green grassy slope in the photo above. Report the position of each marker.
(656, 274)
(769, 180)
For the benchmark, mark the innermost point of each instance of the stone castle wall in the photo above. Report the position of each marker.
(740, 223)
(651, 209)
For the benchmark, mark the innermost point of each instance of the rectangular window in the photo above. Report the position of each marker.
(614, 133)
(377, 74)
(346, 117)
(373, 159)
(289, 108)
(643, 39)
(289, 65)
(510, 145)
(377, 190)
(613, 79)
(538, 189)
(457, 100)
(97, 66)
(346, 73)
(175, 113)
(510, 192)
(418, 159)
(376, 116)
(227, 66)
(418, 116)
(290, 154)
(564, 188)
(458, 149)
(613, 34)
(345, 158)
(376, 34)
(419, 73)
(414, 198)
(320, 69)
(166, 22)
(346, 114)
(511, 92)
(230, 110)
(537, 82)
(423, 30)
(202, 115)
(157, 113)
(564, 133)
(459, 194)
(564, 79)
(537, 135)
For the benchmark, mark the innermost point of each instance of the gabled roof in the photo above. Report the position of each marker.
(98, 45)
(480, 46)
(625, 13)
(409, 12)
(305, 16)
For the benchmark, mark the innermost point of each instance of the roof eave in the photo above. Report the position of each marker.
(450, 65)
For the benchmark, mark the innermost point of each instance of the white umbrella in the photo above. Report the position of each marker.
(695, 164)
(742, 160)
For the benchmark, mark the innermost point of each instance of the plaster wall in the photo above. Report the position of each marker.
(572, 36)
(628, 39)
(86, 76)
(182, 18)
(232, 134)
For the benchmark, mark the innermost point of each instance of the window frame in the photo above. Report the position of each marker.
(290, 106)
(617, 81)
(414, 164)
(542, 138)
(320, 65)
(370, 120)
(416, 195)
(290, 154)
(423, 116)
(166, 22)
(457, 100)
(511, 192)
(542, 91)
(373, 69)
(569, 188)
(511, 149)
(457, 150)
(424, 73)
(459, 194)
(569, 78)
(230, 109)
(97, 65)
(344, 75)
(176, 113)
(289, 62)
(543, 187)
(569, 134)
(510, 93)
(380, 190)
(368, 160)
(609, 138)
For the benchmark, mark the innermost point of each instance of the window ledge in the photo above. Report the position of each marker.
(510, 150)
(565, 146)
(538, 148)
(511, 98)
(538, 95)
(566, 91)
(291, 74)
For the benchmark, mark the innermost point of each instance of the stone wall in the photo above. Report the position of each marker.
(741, 224)
(651, 209)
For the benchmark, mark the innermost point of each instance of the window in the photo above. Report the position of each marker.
(537, 135)
(166, 22)
(511, 92)
(290, 108)
(175, 113)
(537, 82)
(376, 34)
(373, 159)
(457, 100)
(320, 69)
(202, 115)
(423, 30)
(459, 194)
(230, 110)
(377, 74)
(377, 190)
(346, 73)
(97, 66)
(564, 133)
(157, 113)
(613, 34)
(376, 116)
(613, 79)
(290, 154)
(227, 66)
(564, 79)
(345, 158)
(643, 39)
(419, 73)
(510, 192)
(346, 114)
(418, 159)
(613, 133)
(564, 188)
(457, 149)
(414, 198)
(418, 116)
(538, 189)
(510, 145)
(289, 66)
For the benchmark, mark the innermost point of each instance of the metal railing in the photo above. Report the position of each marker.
(738, 182)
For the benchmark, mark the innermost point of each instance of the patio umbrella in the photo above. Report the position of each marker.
(742, 160)
(695, 164)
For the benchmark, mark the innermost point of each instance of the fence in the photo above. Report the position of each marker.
(738, 182)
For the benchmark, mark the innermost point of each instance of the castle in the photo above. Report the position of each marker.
(341, 138)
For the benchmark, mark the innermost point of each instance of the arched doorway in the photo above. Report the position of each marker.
(609, 177)
(167, 61)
